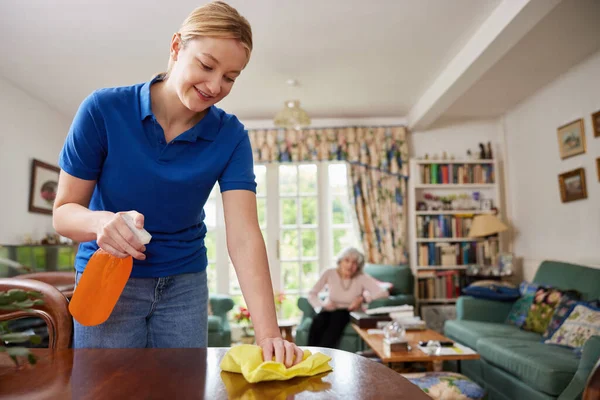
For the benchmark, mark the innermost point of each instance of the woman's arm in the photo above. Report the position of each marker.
(247, 251)
(313, 295)
(72, 218)
(375, 291)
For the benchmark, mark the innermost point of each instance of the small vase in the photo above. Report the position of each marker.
(247, 335)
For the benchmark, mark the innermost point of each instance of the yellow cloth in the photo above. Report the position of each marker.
(247, 359)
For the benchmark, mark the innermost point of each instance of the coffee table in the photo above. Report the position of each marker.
(375, 342)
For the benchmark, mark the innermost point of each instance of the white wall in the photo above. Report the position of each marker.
(455, 138)
(546, 228)
(30, 129)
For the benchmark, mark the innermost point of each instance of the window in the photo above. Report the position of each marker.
(298, 233)
(305, 218)
(211, 239)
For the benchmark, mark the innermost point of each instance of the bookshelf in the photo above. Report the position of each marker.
(444, 197)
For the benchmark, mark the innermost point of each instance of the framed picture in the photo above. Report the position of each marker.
(571, 139)
(44, 183)
(596, 123)
(572, 185)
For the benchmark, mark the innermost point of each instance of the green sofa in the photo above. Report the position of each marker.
(401, 293)
(219, 331)
(514, 363)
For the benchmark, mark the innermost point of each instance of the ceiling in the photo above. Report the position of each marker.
(353, 59)
(566, 36)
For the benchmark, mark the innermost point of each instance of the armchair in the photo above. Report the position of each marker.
(219, 331)
(400, 276)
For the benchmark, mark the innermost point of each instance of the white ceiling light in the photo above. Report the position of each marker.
(292, 116)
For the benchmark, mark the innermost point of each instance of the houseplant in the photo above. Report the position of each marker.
(17, 300)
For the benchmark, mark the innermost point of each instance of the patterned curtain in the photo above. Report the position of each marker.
(378, 168)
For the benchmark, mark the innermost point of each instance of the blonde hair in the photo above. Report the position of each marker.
(216, 19)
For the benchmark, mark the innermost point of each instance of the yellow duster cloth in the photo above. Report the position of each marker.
(247, 359)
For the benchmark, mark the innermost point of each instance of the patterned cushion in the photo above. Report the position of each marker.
(582, 322)
(492, 290)
(447, 385)
(528, 288)
(519, 311)
(542, 309)
(560, 313)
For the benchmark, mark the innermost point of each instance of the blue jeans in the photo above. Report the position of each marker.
(153, 312)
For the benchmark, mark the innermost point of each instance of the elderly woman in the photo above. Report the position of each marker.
(346, 285)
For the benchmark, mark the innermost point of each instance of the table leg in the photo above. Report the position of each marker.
(286, 333)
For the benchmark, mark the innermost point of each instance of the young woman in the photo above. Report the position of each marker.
(158, 148)
(346, 285)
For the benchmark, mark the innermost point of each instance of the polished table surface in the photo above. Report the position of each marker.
(189, 374)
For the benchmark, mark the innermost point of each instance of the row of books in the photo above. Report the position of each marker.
(457, 173)
(465, 253)
(440, 284)
(443, 226)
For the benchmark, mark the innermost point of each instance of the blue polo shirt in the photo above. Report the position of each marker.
(115, 140)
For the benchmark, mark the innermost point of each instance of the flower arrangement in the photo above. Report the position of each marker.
(242, 316)
(279, 299)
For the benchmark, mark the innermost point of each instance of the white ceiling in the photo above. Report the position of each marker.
(566, 36)
(353, 58)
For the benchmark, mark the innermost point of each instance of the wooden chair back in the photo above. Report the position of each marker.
(64, 281)
(54, 312)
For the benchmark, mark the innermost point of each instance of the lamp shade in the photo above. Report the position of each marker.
(486, 225)
(292, 116)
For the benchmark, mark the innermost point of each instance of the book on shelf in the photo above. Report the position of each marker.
(444, 226)
(440, 284)
(465, 253)
(440, 173)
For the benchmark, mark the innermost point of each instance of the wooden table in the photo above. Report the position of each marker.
(375, 342)
(189, 374)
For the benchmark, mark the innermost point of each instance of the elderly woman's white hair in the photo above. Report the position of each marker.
(355, 254)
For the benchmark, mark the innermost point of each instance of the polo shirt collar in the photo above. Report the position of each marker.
(145, 103)
(207, 128)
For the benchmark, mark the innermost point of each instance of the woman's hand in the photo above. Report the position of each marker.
(355, 305)
(329, 305)
(285, 352)
(114, 236)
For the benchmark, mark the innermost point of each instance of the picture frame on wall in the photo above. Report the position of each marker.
(43, 187)
(596, 123)
(572, 185)
(571, 139)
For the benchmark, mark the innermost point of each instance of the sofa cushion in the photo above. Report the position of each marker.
(492, 290)
(548, 369)
(470, 332)
(544, 303)
(520, 309)
(581, 323)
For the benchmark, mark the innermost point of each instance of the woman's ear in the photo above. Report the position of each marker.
(175, 47)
